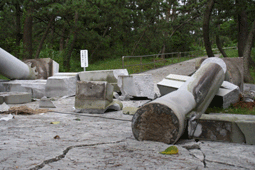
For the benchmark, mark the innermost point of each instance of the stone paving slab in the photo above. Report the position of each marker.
(15, 97)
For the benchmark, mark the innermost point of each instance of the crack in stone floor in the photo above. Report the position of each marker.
(59, 157)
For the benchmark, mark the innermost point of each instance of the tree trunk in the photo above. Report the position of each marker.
(206, 29)
(242, 31)
(247, 53)
(70, 45)
(62, 39)
(218, 43)
(44, 36)
(27, 36)
(18, 25)
(98, 45)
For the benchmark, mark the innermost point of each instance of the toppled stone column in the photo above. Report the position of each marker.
(228, 93)
(163, 119)
(13, 68)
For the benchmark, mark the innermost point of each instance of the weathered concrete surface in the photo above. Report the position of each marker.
(111, 76)
(226, 127)
(15, 97)
(46, 103)
(1, 85)
(93, 96)
(92, 141)
(35, 87)
(44, 67)
(137, 85)
(58, 86)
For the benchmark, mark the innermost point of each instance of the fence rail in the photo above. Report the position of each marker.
(159, 60)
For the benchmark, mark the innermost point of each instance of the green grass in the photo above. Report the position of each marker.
(3, 77)
(231, 110)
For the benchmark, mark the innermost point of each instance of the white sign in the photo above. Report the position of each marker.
(84, 58)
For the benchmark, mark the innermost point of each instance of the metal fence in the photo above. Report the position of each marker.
(159, 60)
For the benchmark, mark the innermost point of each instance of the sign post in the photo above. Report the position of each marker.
(84, 59)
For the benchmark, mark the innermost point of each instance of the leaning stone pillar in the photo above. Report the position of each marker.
(164, 119)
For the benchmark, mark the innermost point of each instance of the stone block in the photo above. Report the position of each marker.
(1, 85)
(111, 76)
(225, 127)
(137, 85)
(249, 87)
(16, 97)
(93, 96)
(46, 103)
(58, 86)
(35, 87)
(247, 127)
(45, 67)
(226, 95)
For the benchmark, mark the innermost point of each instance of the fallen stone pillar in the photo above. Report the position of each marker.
(163, 119)
(13, 68)
(227, 94)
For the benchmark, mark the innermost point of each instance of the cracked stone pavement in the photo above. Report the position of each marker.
(105, 141)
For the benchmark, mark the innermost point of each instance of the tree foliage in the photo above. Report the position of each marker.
(112, 28)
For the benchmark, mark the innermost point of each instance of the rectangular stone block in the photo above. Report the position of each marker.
(226, 127)
(137, 85)
(58, 86)
(1, 85)
(111, 76)
(227, 94)
(16, 97)
(93, 96)
(35, 87)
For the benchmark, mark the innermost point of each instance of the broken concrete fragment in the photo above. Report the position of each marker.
(225, 127)
(46, 103)
(129, 110)
(228, 93)
(16, 97)
(7, 118)
(137, 85)
(247, 127)
(93, 96)
(44, 67)
(115, 105)
(58, 86)
(35, 87)
(111, 76)
(4, 107)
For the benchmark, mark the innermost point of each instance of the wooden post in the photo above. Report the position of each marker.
(123, 57)
(141, 62)
(164, 119)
